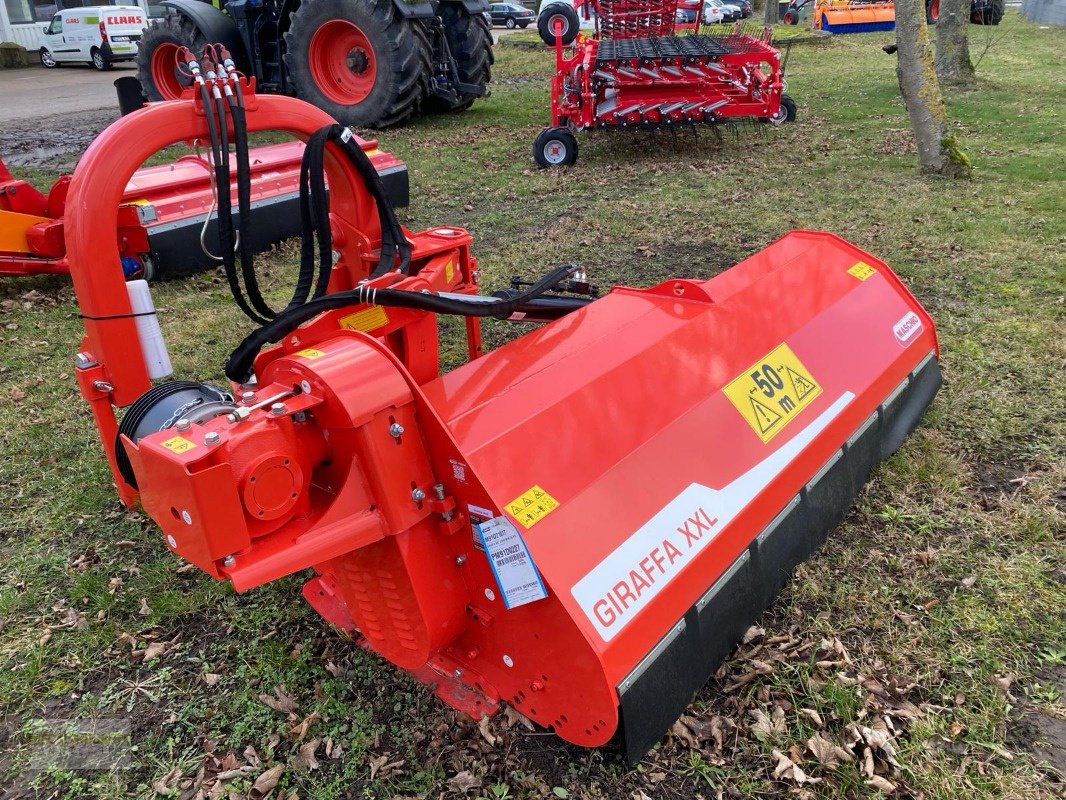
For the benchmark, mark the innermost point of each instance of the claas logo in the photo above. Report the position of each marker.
(125, 20)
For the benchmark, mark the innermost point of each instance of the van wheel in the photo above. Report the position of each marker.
(100, 60)
(47, 59)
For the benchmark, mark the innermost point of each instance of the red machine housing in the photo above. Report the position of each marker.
(163, 209)
(580, 523)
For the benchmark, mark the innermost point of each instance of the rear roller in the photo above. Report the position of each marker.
(555, 147)
(361, 62)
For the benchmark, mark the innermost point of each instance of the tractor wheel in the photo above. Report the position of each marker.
(357, 60)
(546, 23)
(157, 56)
(991, 14)
(932, 11)
(470, 43)
(786, 112)
(99, 60)
(555, 147)
(791, 17)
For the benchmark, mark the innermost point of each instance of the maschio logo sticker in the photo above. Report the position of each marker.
(909, 326)
(773, 391)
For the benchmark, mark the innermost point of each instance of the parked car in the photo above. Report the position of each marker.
(686, 11)
(730, 13)
(744, 6)
(98, 35)
(511, 15)
(712, 14)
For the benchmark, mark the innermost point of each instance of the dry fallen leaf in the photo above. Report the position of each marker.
(266, 782)
(280, 701)
(829, 754)
(884, 785)
(513, 717)
(484, 726)
(464, 782)
(305, 758)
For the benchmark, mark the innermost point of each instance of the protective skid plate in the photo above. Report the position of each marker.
(668, 429)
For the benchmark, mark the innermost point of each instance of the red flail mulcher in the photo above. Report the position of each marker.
(635, 74)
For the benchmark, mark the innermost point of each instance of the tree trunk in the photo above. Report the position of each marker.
(769, 13)
(938, 150)
(953, 63)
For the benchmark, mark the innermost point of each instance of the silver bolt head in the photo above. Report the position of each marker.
(418, 495)
(438, 489)
(447, 516)
(211, 438)
(277, 409)
(248, 397)
(396, 429)
(183, 425)
(460, 559)
(229, 561)
(458, 673)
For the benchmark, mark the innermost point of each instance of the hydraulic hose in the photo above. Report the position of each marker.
(239, 365)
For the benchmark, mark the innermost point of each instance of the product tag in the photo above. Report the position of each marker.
(515, 572)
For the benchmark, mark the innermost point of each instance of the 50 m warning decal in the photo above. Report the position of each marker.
(773, 391)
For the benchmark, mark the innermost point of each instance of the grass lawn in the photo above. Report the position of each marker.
(926, 640)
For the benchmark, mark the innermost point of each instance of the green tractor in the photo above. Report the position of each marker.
(368, 63)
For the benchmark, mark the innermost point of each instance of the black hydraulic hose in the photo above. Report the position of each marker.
(239, 365)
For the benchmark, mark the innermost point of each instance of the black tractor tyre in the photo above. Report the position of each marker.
(167, 36)
(546, 22)
(470, 43)
(400, 59)
(989, 16)
(932, 11)
(791, 17)
(555, 147)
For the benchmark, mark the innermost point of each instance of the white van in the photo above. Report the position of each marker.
(100, 35)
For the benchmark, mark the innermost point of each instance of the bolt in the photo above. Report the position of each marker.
(186, 517)
(248, 397)
(84, 361)
(277, 409)
(396, 429)
(536, 686)
(460, 559)
(336, 256)
(211, 438)
(508, 661)
(183, 425)
(472, 653)
(418, 495)
(305, 387)
(103, 386)
(447, 516)
(172, 541)
(458, 673)
(438, 489)
(229, 561)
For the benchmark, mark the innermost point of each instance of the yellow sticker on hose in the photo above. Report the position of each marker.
(310, 353)
(862, 270)
(531, 507)
(178, 444)
(366, 320)
(773, 391)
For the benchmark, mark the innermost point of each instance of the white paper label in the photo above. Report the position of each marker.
(515, 572)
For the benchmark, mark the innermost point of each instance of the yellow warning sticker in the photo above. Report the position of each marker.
(178, 444)
(531, 507)
(862, 270)
(773, 391)
(449, 271)
(366, 320)
(311, 353)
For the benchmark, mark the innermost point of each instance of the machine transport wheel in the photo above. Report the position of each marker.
(555, 147)
(786, 112)
(357, 60)
(47, 59)
(100, 61)
(157, 56)
(470, 43)
(546, 23)
(932, 11)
